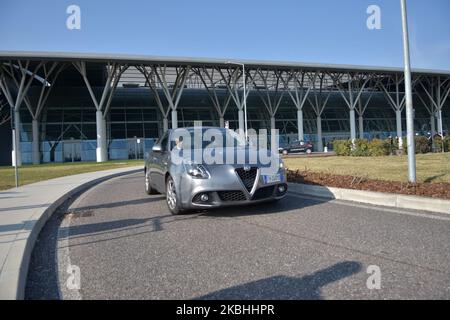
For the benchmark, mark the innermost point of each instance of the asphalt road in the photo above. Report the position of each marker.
(128, 246)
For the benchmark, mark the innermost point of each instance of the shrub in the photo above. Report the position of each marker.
(422, 144)
(342, 147)
(438, 144)
(379, 147)
(362, 148)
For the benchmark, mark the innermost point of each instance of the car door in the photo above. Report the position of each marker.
(158, 158)
(164, 160)
(295, 147)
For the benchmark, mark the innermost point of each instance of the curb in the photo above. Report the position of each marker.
(374, 198)
(14, 271)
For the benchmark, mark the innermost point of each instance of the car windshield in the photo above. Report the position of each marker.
(207, 137)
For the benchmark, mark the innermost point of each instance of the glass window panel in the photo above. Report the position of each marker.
(53, 131)
(72, 115)
(134, 115)
(89, 115)
(72, 131)
(151, 130)
(54, 115)
(25, 116)
(117, 115)
(150, 114)
(118, 131)
(89, 131)
(135, 130)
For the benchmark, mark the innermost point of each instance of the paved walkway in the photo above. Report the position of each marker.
(23, 213)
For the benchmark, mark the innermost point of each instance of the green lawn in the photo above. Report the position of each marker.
(432, 167)
(33, 173)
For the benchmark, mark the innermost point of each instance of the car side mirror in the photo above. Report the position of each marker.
(157, 148)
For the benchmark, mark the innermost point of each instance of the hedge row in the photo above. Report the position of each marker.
(423, 144)
(362, 148)
(377, 147)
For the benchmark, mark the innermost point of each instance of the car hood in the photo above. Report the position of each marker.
(238, 156)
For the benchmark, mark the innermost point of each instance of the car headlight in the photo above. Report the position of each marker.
(196, 171)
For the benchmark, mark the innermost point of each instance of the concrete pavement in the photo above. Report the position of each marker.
(375, 198)
(128, 246)
(23, 213)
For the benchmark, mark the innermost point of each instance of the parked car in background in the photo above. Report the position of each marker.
(297, 147)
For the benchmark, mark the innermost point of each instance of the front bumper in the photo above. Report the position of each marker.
(226, 188)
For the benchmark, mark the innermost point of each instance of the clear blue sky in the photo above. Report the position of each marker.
(324, 31)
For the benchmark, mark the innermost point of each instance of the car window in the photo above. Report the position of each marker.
(228, 136)
(163, 142)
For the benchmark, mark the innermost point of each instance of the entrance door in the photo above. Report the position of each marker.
(72, 151)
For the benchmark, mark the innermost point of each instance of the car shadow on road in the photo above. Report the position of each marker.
(308, 287)
(160, 222)
(289, 203)
(125, 203)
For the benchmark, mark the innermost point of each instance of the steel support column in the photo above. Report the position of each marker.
(114, 72)
(439, 122)
(241, 120)
(397, 105)
(319, 134)
(35, 145)
(272, 123)
(16, 144)
(101, 150)
(361, 127)
(210, 82)
(352, 125)
(398, 121)
(300, 125)
(174, 119)
(165, 124)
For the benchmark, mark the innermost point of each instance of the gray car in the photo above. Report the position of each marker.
(198, 185)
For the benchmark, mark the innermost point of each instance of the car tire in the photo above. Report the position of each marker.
(308, 151)
(148, 188)
(172, 199)
(285, 152)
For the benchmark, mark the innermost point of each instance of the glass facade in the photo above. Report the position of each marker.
(68, 123)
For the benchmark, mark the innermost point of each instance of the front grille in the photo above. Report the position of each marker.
(231, 195)
(247, 177)
(262, 193)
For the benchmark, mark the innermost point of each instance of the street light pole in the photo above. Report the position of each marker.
(408, 96)
(245, 95)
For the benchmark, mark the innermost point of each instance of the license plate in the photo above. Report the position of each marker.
(272, 178)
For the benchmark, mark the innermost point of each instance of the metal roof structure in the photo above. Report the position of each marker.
(180, 61)
(167, 77)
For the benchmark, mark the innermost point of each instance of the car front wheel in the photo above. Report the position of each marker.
(308, 151)
(171, 197)
(285, 152)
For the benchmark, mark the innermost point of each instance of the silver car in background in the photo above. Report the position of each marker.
(193, 185)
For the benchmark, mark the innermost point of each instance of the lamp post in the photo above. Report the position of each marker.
(245, 95)
(408, 95)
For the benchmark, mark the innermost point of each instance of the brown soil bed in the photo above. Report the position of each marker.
(434, 190)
